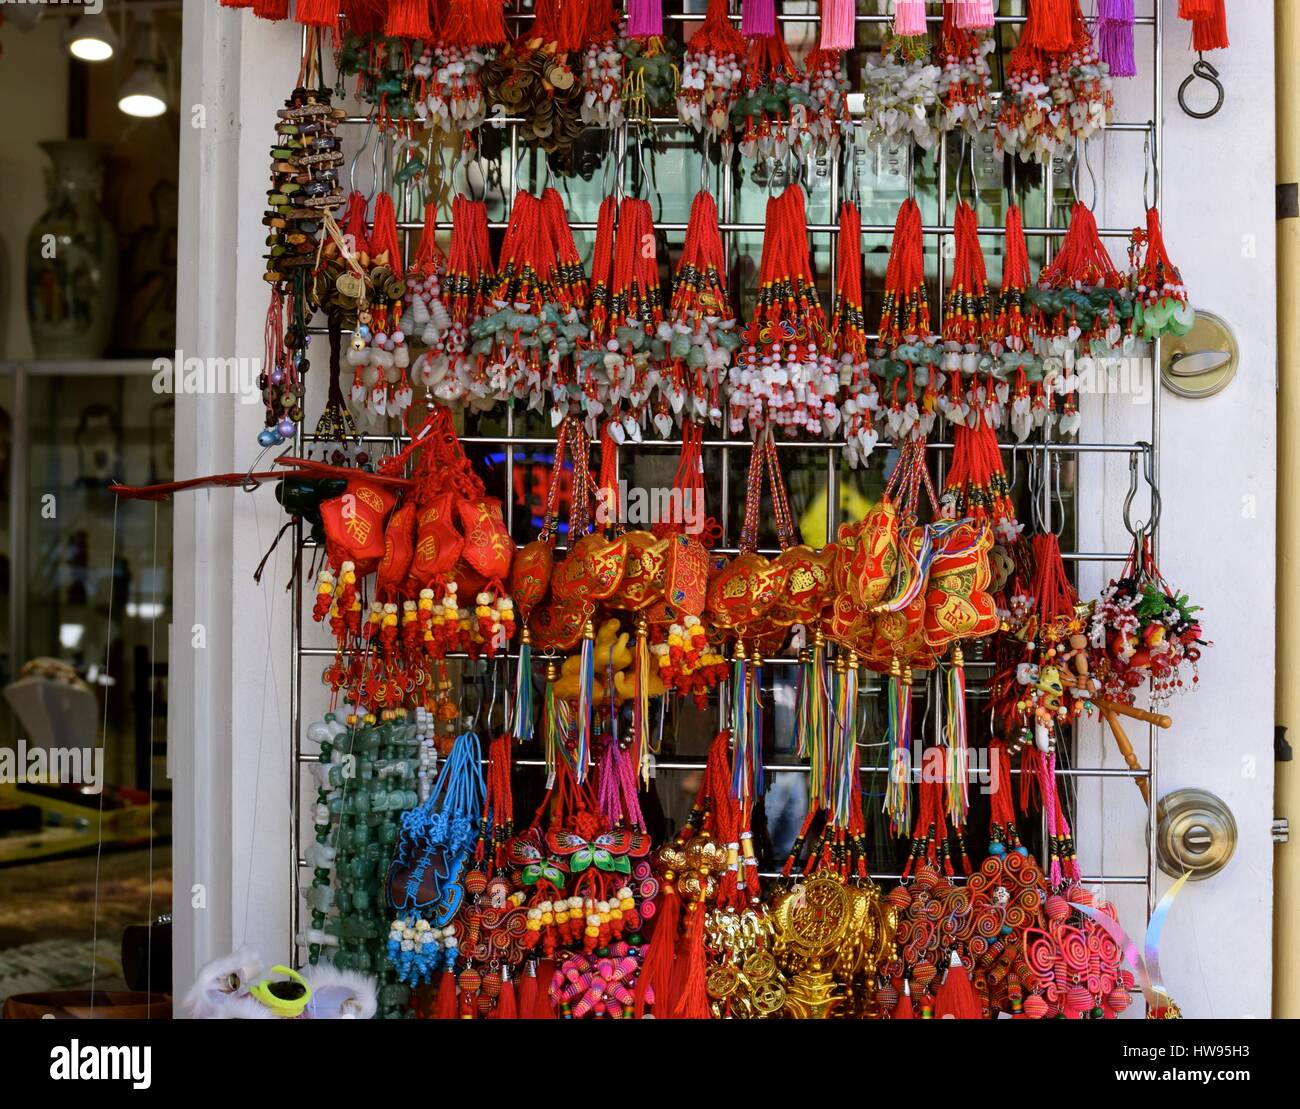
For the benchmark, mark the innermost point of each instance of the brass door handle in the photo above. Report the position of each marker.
(1196, 832)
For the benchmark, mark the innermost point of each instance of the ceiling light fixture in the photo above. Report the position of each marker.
(91, 38)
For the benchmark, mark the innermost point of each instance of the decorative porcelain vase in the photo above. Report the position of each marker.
(72, 259)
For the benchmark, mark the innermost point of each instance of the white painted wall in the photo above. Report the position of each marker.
(229, 721)
(1215, 543)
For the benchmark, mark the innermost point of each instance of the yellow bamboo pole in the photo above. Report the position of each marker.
(1286, 864)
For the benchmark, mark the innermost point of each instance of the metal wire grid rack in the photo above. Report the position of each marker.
(512, 442)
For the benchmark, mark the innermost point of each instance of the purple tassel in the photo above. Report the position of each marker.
(645, 18)
(838, 24)
(758, 19)
(909, 18)
(1115, 36)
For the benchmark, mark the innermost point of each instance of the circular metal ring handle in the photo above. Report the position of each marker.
(1204, 71)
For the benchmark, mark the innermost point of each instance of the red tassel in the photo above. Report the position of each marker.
(527, 996)
(904, 1010)
(271, 9)
(956, 999)
(507, 1006)
(693, 1003)
(383, 234)
(543, 1009)
(408, 19)
(1050, 25)
(317, 13)
(444, 1005)
(363, 17)
(658, 970)
(236, 3)
(1195, 9)
(1211, 32)
(474, 23)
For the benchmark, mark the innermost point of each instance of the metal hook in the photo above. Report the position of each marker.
(611, 160)
(534, 188)
(1082, 158)
(1034, 483)
(648, 182)
(1204, 71)
(850, 170)
(1044, 489)
(961, 167)
(777, 170)
(470, 682)
(468, 191)
(492, 701)
(1150, 167)
(365, 141)
(1146, 527)
(1057, 495)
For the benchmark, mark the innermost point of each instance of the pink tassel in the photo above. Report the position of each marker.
(758, 19)
(645, 18)
(1115, 36)
(973, 15)
(909, 18)
(838, 24)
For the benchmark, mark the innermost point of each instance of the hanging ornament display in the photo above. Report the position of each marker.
(848, 343)
(381, 67)
(1057, 90)
(774, 109)
(652, 65)
(621, 369)
(784, 374)
(901, 85)
(965, 44)
(976, 487)
(425, 879)
(830, 124)
(968, 328)
(1144, 634)
(355, 818)
(441, 311)
(536, 76)
(304, 191)
(602, 68)
(907, 351)
(1081, 306)
(467, 35)
(1160, 304)
(712, 73)
(538, 300)
(701, 332)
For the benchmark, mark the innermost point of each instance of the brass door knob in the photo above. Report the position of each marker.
(1196, 833)
(1201, 363)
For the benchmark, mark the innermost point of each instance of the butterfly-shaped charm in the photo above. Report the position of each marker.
(533, 866)
(610, 851)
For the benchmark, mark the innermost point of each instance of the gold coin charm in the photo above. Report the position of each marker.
(349, 285)
(722, 980)
(759, 967)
